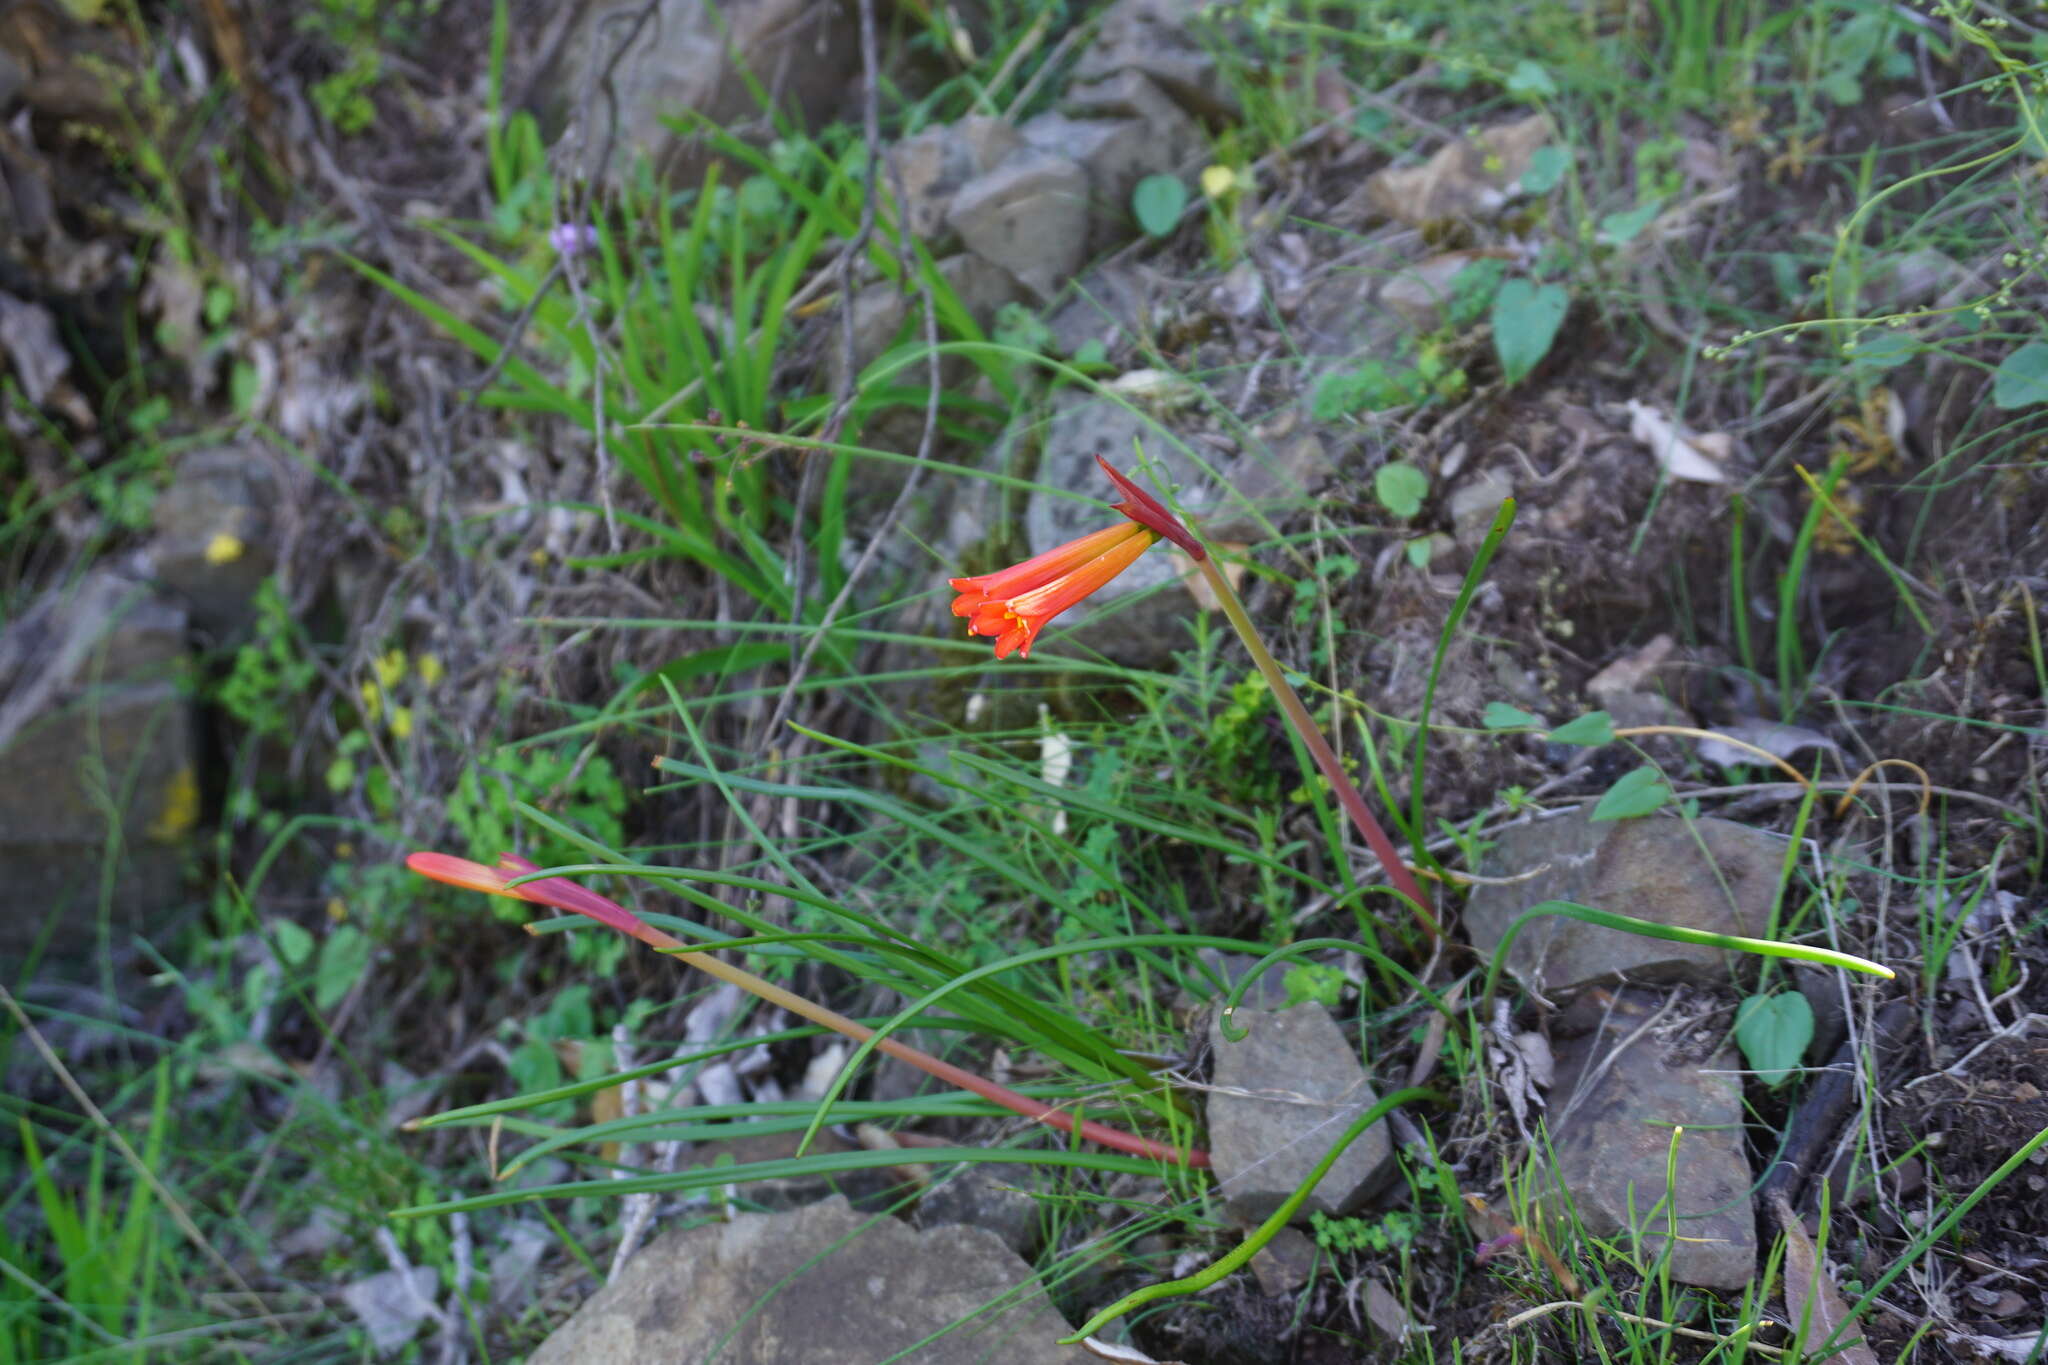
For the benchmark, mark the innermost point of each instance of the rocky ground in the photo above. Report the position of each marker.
(415, 418)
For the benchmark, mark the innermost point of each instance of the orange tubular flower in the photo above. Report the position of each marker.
(1013, 604)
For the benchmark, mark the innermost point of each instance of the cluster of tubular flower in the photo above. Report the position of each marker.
(1014, 604)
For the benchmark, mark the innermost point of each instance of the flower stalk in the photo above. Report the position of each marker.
(562, 894)
(1326, 760)
(1014, 603)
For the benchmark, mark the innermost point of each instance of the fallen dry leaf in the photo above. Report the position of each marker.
(1124, 1355)
(1634, 671)
(1769, 735)
(1471, 176)
(1682, 454)
(1810, 1295)
(1388, 1313)
(1419, 292)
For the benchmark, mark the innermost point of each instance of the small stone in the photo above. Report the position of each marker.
(823, 1285)
(392, 1304)
(1156, 39)
(879, 312)
(1621, 1097)
(1109, 304)
(1028, 215)
(1304, 1087)
(694, 58)
(214, 541)
(1116, 153)
(932, 166)
(93, 700)
(1701, 874)
(1284, 1264)
(985, 1195)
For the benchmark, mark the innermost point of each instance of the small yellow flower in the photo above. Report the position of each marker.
(224, 548)
(401, 722)
(1218, 181)
(430, 668)
(337, 909)
(373, 698)
(390, 668)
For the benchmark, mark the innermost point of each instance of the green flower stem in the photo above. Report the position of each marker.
(1259, 1236)
(1319, 748)
(1673, 933)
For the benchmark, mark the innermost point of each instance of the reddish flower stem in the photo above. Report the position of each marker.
(562, 894)
(1326, 760)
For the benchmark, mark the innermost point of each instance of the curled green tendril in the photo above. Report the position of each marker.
(1259, 1236)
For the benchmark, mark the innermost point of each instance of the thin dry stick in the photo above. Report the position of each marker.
(1541, 1310)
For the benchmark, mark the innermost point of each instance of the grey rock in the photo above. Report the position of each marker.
(1156, 39)
(1029, 215)
(1110, 304)
(1284, 1264)
(989, 1196)
(692, 57)
(1306, 1088)
(1620, 1098)
(1702, 874)
(932, 165)
(218, 502)
(823, 1285)
(97, 743)
(1116, 153)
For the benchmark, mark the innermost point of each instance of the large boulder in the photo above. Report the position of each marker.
(824, 1285)
(693, 57)
(1283, 1096)
(97, 744)
(1697, 874)
(1631, 1108)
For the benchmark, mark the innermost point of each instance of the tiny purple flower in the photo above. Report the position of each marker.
(571, 239)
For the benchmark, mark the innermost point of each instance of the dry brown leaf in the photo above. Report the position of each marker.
(1632, 672)
(1681, 453)
(1771, 736)
(1123, 1355)
(1469, 177)
(1811, 1296)
(1420, 291)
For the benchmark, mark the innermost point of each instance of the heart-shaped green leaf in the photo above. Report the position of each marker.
(1589, 731)
(1157, 203)
(1501, 716)
(1637, 793)
(1773, 1031)
(1525, 321)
